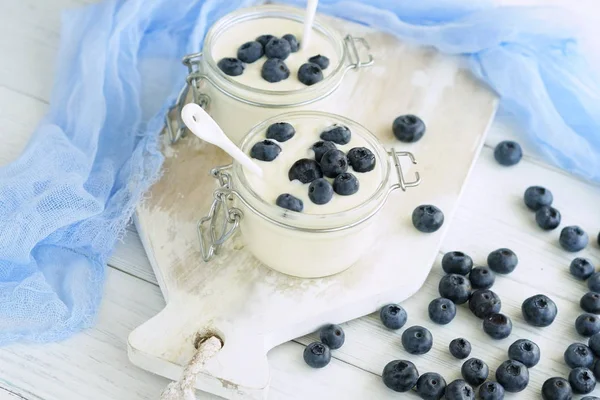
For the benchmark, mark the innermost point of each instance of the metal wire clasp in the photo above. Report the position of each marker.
(354, 55)
(402, 183)
(222, 219)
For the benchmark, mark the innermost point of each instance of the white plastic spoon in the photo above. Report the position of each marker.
(311, 10)
(203, 126)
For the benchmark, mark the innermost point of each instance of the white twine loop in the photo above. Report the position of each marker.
(184, 388)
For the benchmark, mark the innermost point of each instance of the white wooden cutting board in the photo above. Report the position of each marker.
(254, 308)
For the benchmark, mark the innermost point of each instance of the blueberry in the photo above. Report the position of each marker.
(459, 390)
(573, 238)
(484, 302)
(294, 45)
(581, 268)
(460, 348)
(455, 287)
(280, 131)
(431, 386)
(250, 52)
(333, 163)
(427, 218)
(491, 391)
(590, 302)
(278, 48)
(513, 376)
(442, 311)
(417, 340)
(502, 261)
(482, 278)
(539, 310)
(231, 66)
(582, 380)
(408, 128)
(264, 39)
(525, 351)
(317, 355)
(594, 282)
(579, 355)
(305, 171)
(361, 159)
(345, 184)
(547, 218)
(274, 70)
(556, 389)
(393, 316)
(457, 262)
(333, 336)
(594, 344)
(320, 191)
(400, 375)
(508, 153)
(338, 134)
(309, 74)
(596, 369)
(320, 60)
(474, 371)
(587, 325)
(322, 147)
(537, 197)
(289, 202)
(497, 326)
(265, 150)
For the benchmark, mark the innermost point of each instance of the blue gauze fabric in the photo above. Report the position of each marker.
(66, 200)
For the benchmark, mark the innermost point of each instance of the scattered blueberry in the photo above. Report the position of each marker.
(459, 390)
(333, 336)
(513, 376)
(294, 45)
(547, 218)
(305, 170)
(309, 74)
(289, 202)
(537, 197)
(474, 371)
(582, 380)
(280, 131)
(596, 369)
(317, 355)
(525, 351)
(408, 128)
(455, 287)
(581, 268)
(250, 52)
(579, 355)
(393, 316)
(502, 261)
(460, 348)
(442, 311)
(491, 391)
(417, 340)
(265, 150)
(594, 344)
(556, 389)
(333, 163)
(231, 66)
(587, 325)
(457, 262)
(338, 134)
(573, 238)
(278, 48)
(322, 147)
(400, 375)
(431, 386)
(274, 70)
(508, 153)
(497, 326)
(361, 159)
(539, 310)
(484, 302)
(593, 282)
(264, 39)
(320, 60)
(320, 191)
(482, 278)
(590, 302)
(427, 218)
(345, 184)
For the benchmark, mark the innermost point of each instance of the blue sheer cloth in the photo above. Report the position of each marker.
(66, 200)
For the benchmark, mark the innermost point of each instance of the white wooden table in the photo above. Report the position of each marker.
(94, 365)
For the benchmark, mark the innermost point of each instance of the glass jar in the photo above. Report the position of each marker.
(299, 244)
(237, 107)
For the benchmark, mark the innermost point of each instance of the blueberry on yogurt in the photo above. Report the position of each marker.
(281, 131)
(289, 202)
(338, 134)
(274, 70)
(322, 147)
(408, 128)
(266, 150)
(427, 218)
(278, 48)
(320, 191)
(345, 184)
(361, 159)
(573, 238)
(320, 60)
(508, 153)
(305, 170)
(231, 66)
(250, 52)
(294, 45)
(333, 163)
(264, 39)
(309, 74)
